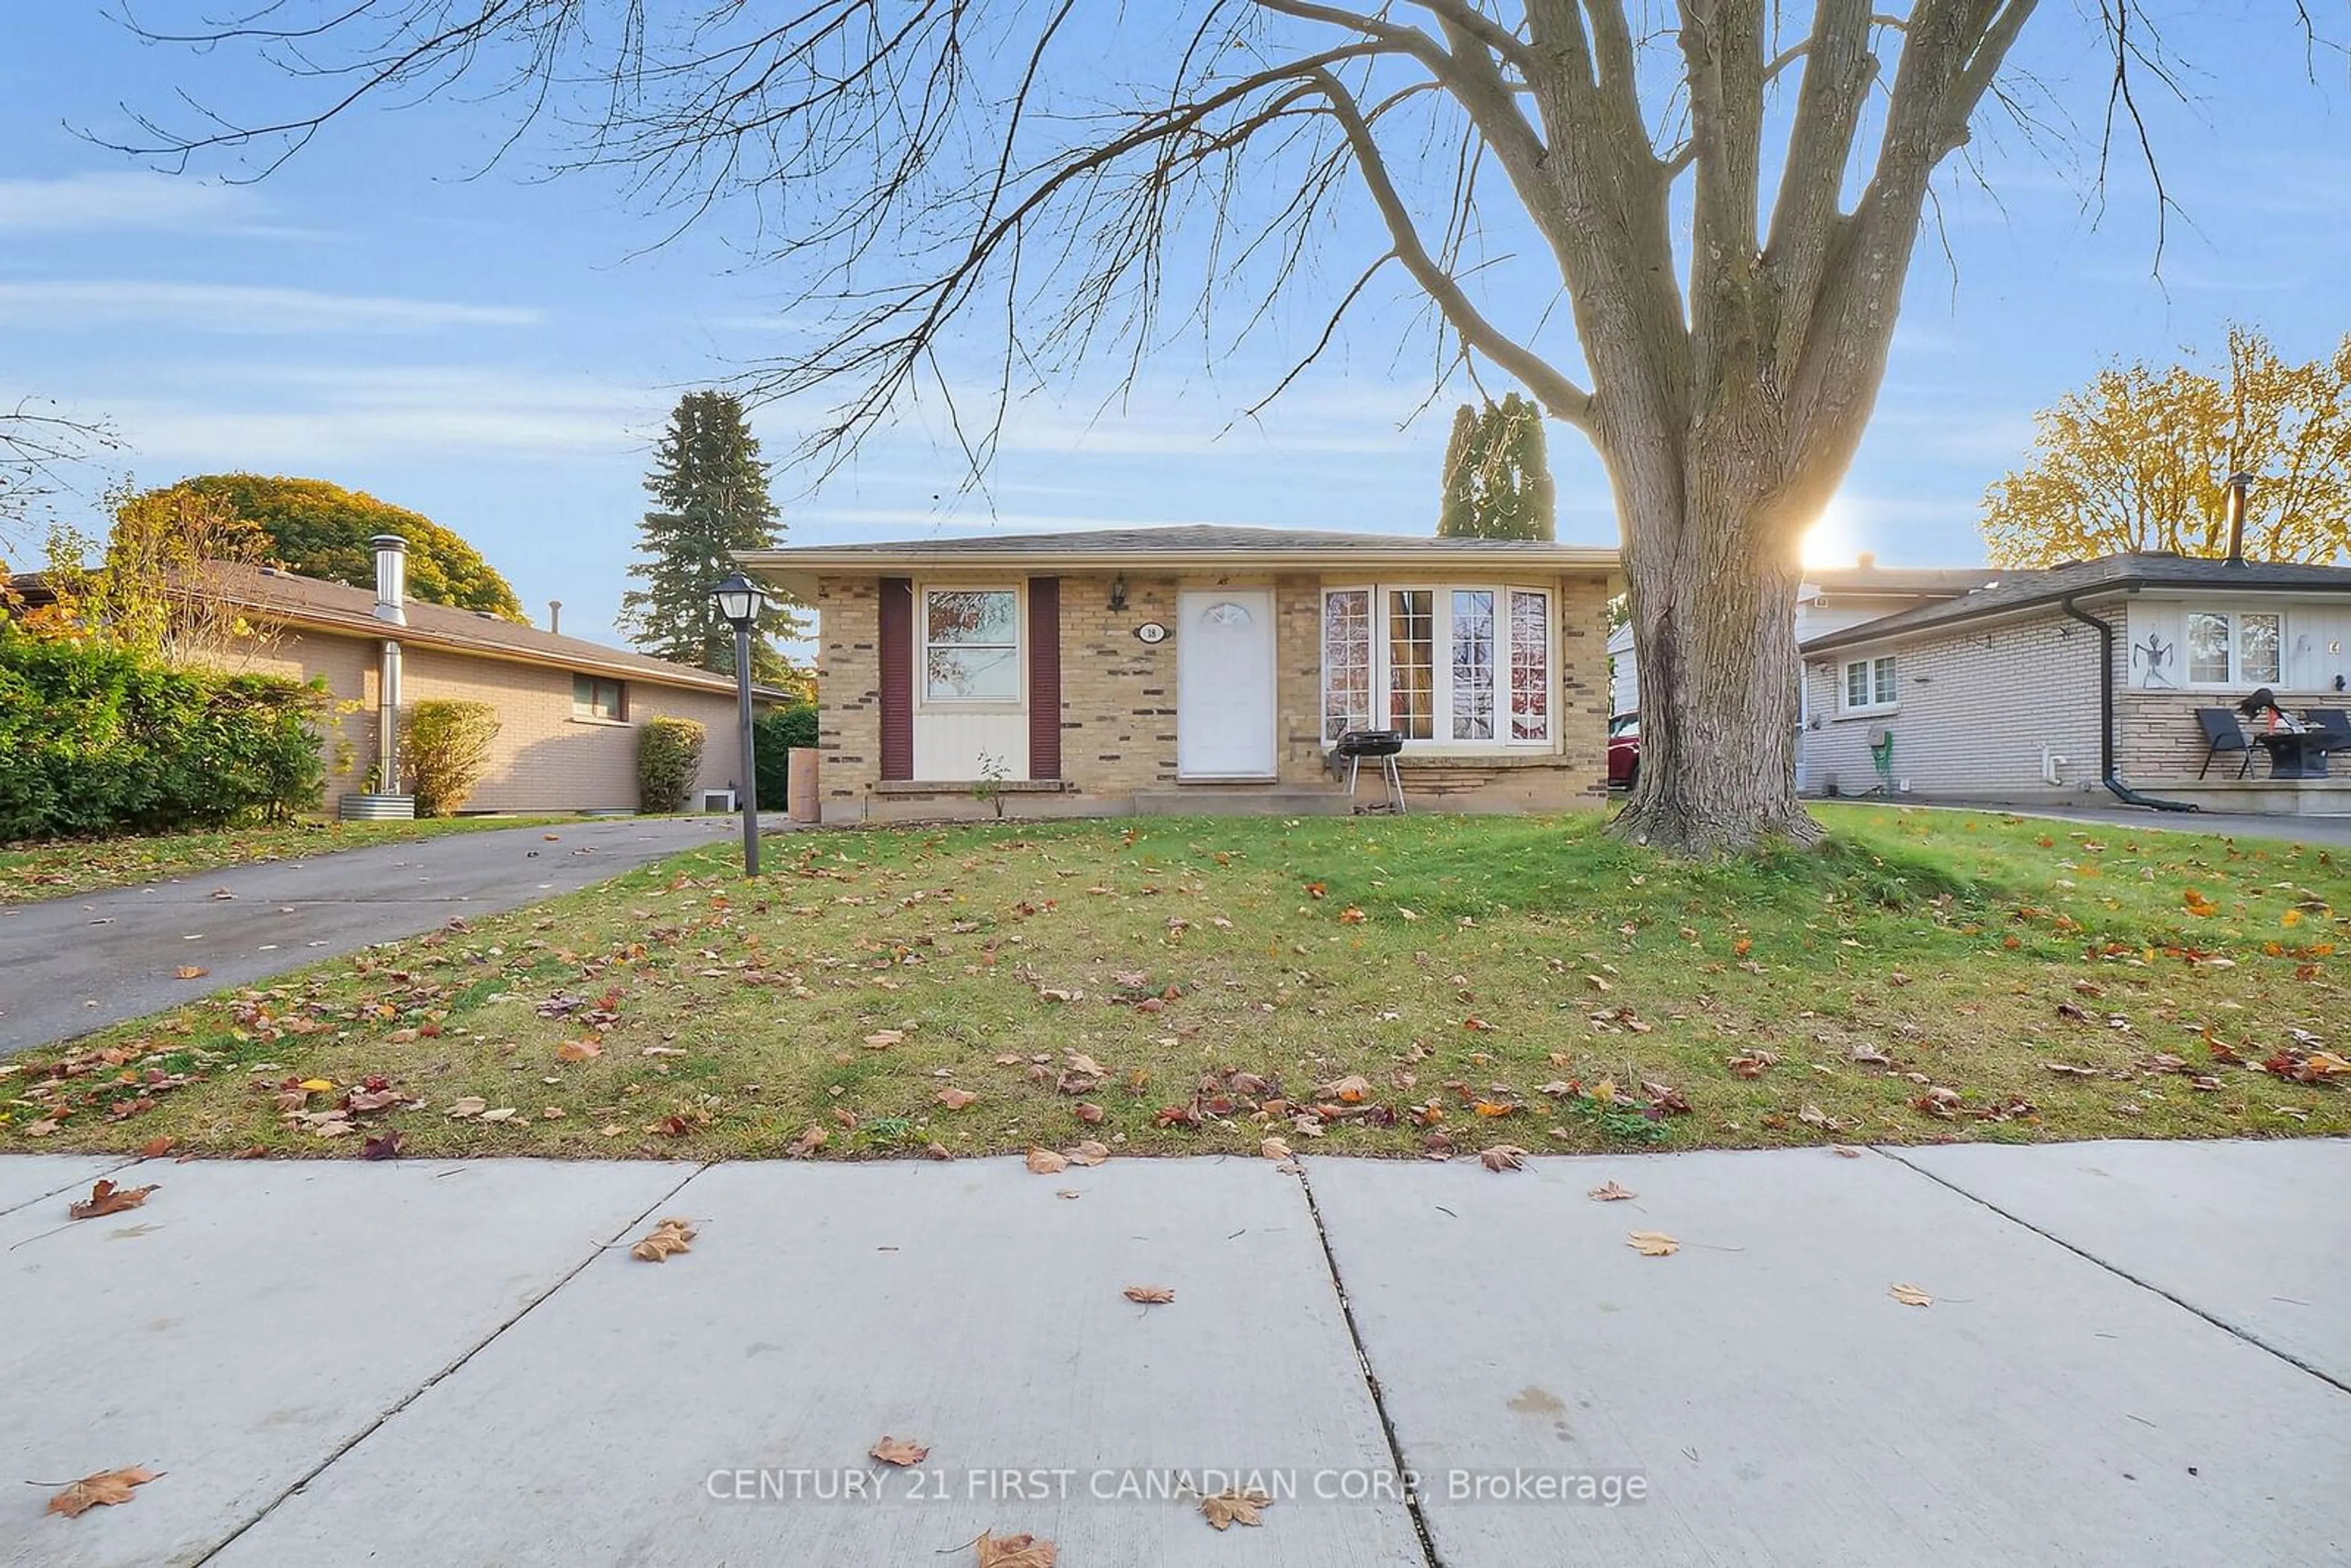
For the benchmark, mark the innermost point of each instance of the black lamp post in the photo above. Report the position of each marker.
(738, 602)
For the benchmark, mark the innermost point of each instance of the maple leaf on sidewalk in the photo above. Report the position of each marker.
(103, 1489)
(105, 1198)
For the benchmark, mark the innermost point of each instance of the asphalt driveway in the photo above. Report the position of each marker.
(68, 965)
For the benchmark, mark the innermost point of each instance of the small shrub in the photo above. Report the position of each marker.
(669, 759)
(447, 750)
(776, 733)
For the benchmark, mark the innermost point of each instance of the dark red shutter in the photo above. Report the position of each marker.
(1044, 677)
(897, 657)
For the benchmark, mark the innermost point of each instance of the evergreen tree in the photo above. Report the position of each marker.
(709, 490)
(1498, 473)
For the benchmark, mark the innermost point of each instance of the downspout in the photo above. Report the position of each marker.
(2119, 790)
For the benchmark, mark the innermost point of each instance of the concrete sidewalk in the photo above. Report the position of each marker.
(71, 965)
(2137, 1354)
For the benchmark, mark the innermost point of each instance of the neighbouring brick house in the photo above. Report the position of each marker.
(1200, 668)
(568, 709)
(2047, 685)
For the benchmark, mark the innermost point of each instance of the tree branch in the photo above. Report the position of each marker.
(1560, 397)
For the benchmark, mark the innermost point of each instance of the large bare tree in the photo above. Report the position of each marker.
(1726, 193)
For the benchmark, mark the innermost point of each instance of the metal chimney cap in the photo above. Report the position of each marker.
(390, 541)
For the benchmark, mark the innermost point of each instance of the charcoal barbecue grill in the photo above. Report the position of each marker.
(1380, 745)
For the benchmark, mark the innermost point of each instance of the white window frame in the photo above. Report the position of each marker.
(1870, 665)
(2236, 680)
(1441, 592)
(1018, 701)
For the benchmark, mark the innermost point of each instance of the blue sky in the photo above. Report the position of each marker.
(497, 350)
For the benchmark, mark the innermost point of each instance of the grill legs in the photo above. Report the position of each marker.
(1388, 774)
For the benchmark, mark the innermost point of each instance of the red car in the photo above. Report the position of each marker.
(1623, 750)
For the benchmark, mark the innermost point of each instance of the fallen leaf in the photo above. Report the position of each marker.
(103, 1489)
(1845, 1150)
(808, 1142)
(105, 1198)
(1503, 1157)
(1015, 1551)
(185, 972)
(1350, 915)
(1045, 1162)
(1910, 1295)
(471, 1106)
(156, 1148)
(883, 1039)
(1089, 1152)
(1149, 1295)
(1274, 1149)
(384, 1145)
(1653, 1243)
(955, 1099)
(1609, 1192)
(578, 1051)
(1090, 1113)
(1234, 1506)
(671, 1235)
(899, 1452)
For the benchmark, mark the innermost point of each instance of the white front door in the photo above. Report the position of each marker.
(1224, 683)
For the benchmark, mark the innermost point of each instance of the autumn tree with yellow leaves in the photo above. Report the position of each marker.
(2139, 461)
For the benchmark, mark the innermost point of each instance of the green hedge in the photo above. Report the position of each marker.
(669, 757)
(775, 732)
(98, 739)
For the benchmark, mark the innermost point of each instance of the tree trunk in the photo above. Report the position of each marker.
(1712, 570)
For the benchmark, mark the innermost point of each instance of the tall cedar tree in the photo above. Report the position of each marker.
(709, 489)
(1498, 473)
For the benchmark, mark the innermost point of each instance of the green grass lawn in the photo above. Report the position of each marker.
(1370, 986)
(51, 870)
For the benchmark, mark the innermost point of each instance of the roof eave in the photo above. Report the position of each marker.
(795, 571)
(353, 625)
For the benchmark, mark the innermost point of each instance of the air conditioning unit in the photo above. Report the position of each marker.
(718, 800)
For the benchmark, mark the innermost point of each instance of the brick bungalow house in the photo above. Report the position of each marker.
(1200, 669)
(2045, 686)
(568, 709)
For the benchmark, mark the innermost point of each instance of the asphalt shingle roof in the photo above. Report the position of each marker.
(342, 607)
(2022, 591)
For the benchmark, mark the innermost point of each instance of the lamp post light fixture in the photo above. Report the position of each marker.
(738, 603)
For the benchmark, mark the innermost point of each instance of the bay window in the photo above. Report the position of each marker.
(1445, 666)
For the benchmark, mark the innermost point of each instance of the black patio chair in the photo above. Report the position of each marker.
(2334, 723)
(2224, 733)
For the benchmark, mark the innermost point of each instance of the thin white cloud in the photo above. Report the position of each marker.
(65, 306)
(112, 200)
(292, 418)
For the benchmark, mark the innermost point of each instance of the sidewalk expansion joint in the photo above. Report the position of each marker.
(2217, 1322)
(369, 1430)
(1363, 1366)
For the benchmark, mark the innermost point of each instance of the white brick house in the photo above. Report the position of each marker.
(2081, 679)
(1829, 599)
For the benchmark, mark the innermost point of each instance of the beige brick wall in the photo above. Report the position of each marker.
(1976, 703)
(542, 760)
(1118, 703)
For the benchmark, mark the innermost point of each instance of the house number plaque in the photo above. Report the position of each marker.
(1151, 632)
